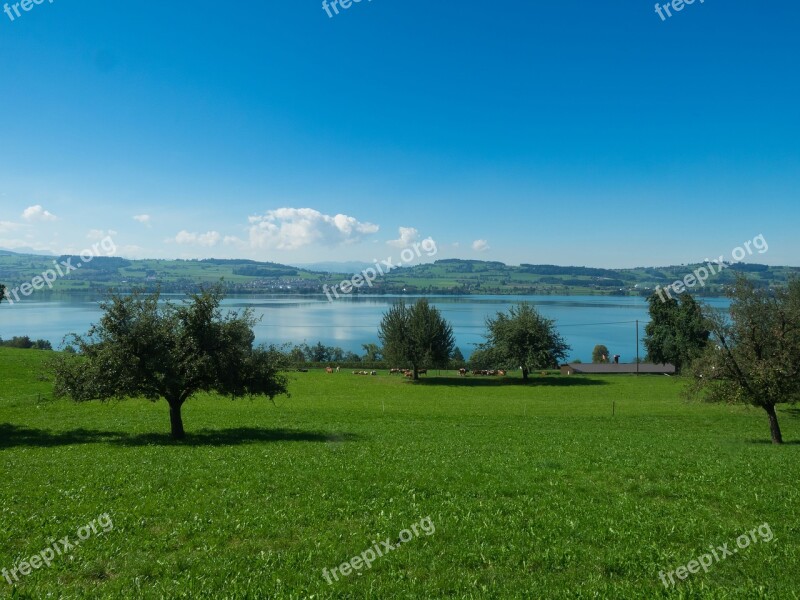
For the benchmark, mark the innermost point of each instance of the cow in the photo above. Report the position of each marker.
(329, 370)
(501, 373)
(422, 371)
(462, 372)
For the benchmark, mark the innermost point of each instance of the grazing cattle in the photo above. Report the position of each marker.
(396, 371)
(501, 372)
(422, 371)
(373, 373)
(329, 370)
(409, 374)
(462, 372)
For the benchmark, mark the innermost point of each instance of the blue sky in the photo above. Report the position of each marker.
(567, 132)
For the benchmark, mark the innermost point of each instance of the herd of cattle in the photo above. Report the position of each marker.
(409, 373)
(492, 373)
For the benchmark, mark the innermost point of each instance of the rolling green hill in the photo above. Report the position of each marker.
(450, 276)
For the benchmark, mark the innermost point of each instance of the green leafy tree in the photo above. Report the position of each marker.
(143, 347)
(416, 336)
(457, 361)
(372, 353)
(677, 332)
(600, 354)
(296, 356)
(319, 353)
(524, 338)
(483, 358)
(754, 357)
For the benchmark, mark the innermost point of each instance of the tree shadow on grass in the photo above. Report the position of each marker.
(792, 412)
(533, 382)
(12, 436)
(767, 441)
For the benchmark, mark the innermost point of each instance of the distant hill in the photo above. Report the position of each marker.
(24, 250)
(334, 267)
(451, 276)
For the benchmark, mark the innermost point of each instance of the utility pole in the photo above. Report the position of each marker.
(637, 346)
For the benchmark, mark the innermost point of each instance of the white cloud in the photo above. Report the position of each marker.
(37, 213)
(480, 245)
(292, 228)
(27, 244)
(143, 219)
(99, 234)
(7, 226)
(208, 239)
(232, 240)
(408, 235)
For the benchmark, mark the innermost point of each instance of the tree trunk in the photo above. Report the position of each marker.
(524, 373)
(175, 419)
(416, 374)
(774, 427)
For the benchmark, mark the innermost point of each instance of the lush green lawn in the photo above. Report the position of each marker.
(534, 491)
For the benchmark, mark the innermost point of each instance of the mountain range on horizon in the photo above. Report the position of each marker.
(339, 267)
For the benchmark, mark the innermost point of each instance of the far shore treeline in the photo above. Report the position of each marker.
(447, 276)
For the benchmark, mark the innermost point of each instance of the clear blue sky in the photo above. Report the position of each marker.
(567, 132)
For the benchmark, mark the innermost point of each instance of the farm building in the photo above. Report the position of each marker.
(610, 369)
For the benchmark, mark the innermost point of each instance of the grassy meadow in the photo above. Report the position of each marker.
(582, 487)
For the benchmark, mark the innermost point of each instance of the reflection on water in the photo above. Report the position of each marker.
(350, 322)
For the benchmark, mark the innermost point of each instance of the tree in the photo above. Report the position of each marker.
(296, 356)
(372, 353)
(2, 292)
(319, 353)
(416, 336)
(755, 355)
(600, 354)
(457, 361)
(524, 338)
(143, 347)
(483, 358)
(677, 332)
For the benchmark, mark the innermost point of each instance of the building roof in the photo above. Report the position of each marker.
(593, 368)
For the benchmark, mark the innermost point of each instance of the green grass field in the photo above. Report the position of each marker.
(535, 491)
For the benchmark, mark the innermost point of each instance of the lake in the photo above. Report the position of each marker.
(584, 321)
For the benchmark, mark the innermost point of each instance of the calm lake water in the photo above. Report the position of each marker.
(584, 321)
